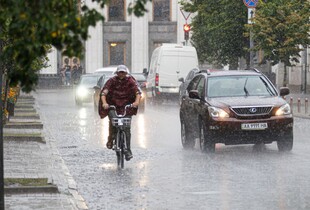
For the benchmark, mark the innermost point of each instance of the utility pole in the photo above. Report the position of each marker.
(306, 65)
(1, 133)
(251, 42)
(251, 4)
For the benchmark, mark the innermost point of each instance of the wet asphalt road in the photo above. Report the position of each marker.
(164, 176)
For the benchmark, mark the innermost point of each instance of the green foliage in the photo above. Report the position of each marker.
(218, 28)
(29, 28)
(281, 28)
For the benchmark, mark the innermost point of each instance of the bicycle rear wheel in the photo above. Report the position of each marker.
(120, 144)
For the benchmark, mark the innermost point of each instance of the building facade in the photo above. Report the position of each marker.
(127, 39)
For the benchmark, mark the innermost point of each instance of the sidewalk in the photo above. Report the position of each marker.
(29, 154)
(299, 104)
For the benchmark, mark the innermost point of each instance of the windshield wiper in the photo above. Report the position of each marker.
(244, 88)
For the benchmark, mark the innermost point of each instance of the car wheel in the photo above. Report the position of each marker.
(286, 143)
(205, 140)
(187, 143)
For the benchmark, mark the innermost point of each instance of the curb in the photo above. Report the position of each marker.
(24, 125)
(12, 137)
(31, 189)
(26, 115)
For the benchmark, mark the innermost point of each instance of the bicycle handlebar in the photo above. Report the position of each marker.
(120, 115)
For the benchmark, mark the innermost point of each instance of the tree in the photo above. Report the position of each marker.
(281, 29)
(218, 29)
(32, 25)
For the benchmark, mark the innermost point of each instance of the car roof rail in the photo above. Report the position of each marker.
(204, 71)
(254, 69)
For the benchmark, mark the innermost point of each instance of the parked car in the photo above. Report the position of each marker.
(85, 88)
(235, 107)
(141, 79)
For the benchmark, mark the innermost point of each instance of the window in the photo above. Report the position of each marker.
(200, 87)
(192, 85)
(117, 10)
(117, 53)
(161, 10)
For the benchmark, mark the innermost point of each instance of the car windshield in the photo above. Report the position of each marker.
(88, 81)
(234, 86)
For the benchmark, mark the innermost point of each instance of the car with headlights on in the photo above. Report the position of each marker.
(235, 107)
(85, 88)
(97, 88)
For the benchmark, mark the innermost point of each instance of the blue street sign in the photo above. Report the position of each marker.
(250, 3)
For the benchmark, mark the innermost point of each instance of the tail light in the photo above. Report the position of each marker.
(157, 79)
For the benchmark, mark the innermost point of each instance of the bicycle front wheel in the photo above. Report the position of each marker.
(120, 144)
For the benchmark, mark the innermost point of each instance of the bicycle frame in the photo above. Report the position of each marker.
(120, 122)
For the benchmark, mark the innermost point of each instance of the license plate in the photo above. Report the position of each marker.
(254, 126)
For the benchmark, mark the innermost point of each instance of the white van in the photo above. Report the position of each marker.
(169, 62)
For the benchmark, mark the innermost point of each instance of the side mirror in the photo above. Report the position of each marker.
(194, 94)
(181, 79)
(284, 91)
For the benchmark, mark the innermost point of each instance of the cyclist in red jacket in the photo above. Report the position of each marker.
(119, 91)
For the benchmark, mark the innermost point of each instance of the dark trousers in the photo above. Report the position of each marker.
(113, 130)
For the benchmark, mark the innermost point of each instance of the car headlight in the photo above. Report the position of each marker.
(217, 112)
(284, 110)
(82, 92)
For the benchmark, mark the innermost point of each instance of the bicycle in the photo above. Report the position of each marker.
(120, 122)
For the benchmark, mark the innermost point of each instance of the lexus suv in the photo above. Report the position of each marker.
(235, 107)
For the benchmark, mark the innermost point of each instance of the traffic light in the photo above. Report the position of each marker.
(186, 28)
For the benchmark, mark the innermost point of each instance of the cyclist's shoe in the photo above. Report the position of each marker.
(128, 155)
(110, 144)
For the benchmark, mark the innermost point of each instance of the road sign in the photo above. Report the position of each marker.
(250, 3)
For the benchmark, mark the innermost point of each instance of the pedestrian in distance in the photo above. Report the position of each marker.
(119, 91)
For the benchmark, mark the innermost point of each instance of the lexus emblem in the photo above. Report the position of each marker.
(253, 110)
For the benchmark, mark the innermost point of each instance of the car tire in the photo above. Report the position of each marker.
(286, 143)
(187, 143)
(205, 139)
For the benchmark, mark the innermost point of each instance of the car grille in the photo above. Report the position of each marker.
(252, 110)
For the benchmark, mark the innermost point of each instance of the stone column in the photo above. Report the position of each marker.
(94, 45)
(139, 46)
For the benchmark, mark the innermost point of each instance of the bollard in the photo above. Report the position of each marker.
(298, 105)
(306, 105)
(291, 104)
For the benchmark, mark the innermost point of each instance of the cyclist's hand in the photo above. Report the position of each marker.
(105, 106)
(135, 104)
